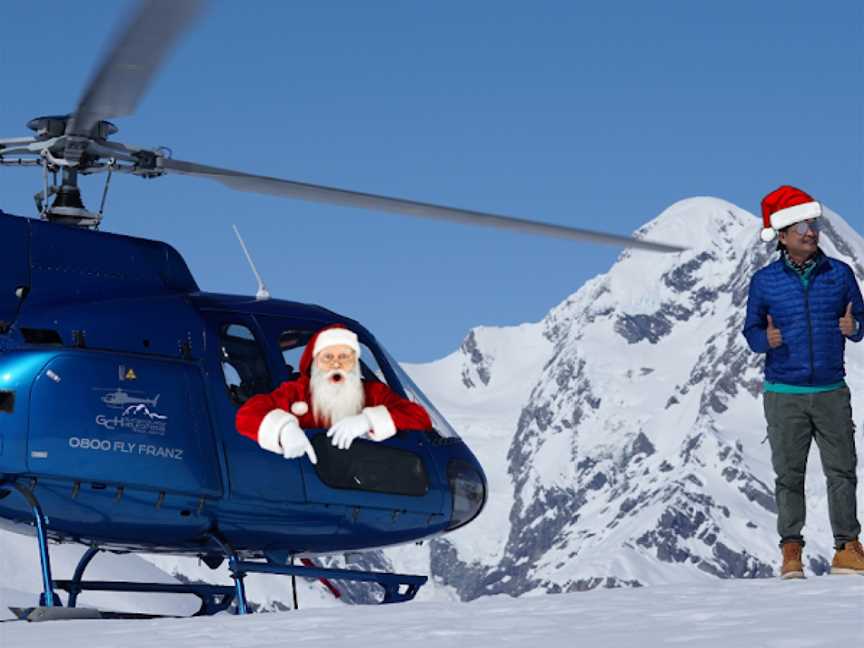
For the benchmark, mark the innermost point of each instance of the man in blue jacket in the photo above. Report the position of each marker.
(801, 310)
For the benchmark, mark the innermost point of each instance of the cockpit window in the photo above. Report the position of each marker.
(291, 344)
(243, 363)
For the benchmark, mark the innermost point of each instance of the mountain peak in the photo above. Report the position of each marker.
(700, 223)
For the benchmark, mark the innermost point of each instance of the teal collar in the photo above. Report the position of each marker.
(803, 269)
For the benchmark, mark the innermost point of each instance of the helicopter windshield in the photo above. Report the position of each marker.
(414, 393)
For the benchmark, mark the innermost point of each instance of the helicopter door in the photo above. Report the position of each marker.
(130, 420)
(239, 369)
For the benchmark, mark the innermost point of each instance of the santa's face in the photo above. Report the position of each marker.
(337, 356)
(336, 387)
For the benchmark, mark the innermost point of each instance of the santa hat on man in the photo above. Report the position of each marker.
(784, 207)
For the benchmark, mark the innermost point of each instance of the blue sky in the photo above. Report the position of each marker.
(596, 115)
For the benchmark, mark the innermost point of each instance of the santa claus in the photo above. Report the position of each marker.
(330, 393)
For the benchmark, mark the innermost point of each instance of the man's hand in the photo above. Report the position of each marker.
(345, 431)
(775, 337)
(848, 325)
(294, 442)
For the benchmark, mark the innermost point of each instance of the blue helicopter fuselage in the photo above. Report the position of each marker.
(119, 384)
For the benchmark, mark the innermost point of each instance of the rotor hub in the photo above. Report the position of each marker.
(55, 126)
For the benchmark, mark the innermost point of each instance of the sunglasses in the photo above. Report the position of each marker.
(802, 227)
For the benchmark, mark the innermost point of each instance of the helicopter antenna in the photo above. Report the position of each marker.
(263, 294)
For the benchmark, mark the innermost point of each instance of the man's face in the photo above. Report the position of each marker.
(337, 356)
(798, 244)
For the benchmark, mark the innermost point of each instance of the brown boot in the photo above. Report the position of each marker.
(792, 567)
(849, 559)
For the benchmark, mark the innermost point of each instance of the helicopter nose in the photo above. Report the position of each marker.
(468, 487)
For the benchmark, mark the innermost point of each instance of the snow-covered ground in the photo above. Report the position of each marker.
(821, 611)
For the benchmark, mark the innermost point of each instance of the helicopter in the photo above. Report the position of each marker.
(120, 379)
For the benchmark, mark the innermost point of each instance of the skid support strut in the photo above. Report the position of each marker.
(75, 584)
(237, 575)
(49, 597)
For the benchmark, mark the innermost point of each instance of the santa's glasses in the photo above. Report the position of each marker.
(802, 228)
(333, 358)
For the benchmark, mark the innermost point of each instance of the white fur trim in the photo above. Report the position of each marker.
(382, 423)
(768, 235)
(268, 431)
(299, 408)
(795, 214)
(334, 336)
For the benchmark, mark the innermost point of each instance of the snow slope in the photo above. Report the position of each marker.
(823, 611)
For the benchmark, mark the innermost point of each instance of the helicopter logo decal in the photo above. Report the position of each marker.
(137, 415)
(120, 398)
(141, 409)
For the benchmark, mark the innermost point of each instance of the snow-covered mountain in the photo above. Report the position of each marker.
(622, 435)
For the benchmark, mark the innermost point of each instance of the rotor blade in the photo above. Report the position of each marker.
(330, 195)
(127, 69)
(26, 146)
(16, 141)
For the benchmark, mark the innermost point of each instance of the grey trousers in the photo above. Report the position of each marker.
(793, 421)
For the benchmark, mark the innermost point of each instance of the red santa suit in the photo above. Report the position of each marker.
(388, 412)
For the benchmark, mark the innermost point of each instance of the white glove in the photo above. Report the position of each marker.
(280, 432)
(294, 442)
(345, 431)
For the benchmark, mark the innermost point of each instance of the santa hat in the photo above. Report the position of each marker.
(333, 336)
(784, 207)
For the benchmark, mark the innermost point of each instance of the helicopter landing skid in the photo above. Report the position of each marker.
(398, 588)
(214, 598)
(39, 614)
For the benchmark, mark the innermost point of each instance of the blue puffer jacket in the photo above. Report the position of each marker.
(808, 318)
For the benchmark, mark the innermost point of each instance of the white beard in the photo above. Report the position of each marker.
(333, 401)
